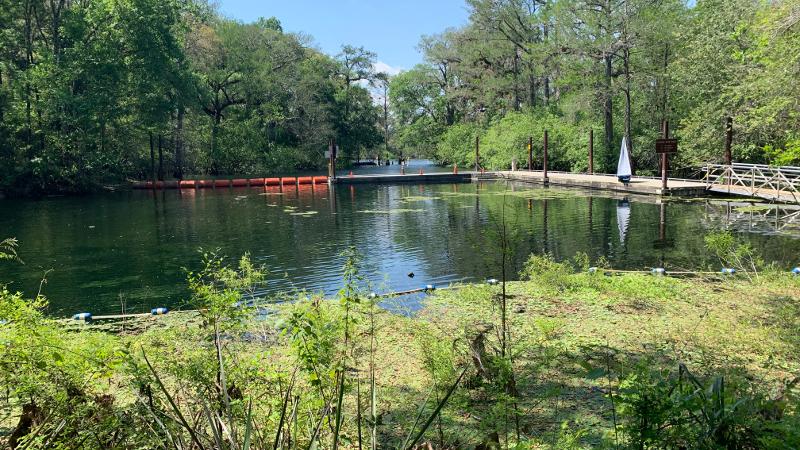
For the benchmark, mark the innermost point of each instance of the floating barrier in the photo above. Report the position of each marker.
(236, 182)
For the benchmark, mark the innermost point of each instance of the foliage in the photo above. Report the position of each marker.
(732, 253)
(103, 91)
(663, 409)
(519, 67)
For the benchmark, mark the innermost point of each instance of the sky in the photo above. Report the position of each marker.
(390, 28)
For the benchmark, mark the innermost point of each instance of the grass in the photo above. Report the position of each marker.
(566, 331)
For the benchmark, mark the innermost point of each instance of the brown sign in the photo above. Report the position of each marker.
(666, 146)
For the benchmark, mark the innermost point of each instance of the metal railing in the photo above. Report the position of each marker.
(755, 180)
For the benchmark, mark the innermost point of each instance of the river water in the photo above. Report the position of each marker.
(136, 246)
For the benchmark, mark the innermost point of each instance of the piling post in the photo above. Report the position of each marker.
(591, 151)
(664, 160)
(530, 153)
(544, 157)
(728, 140)
(477, 153)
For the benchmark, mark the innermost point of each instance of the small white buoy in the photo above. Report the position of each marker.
(658, 271)
(372, 295)
(159, 311)
(796, 271)
(86, 317)
(430, 287)
(492, 281)
(728, 270)
(592, 269)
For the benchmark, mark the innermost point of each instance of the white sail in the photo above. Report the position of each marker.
(623, 218)
(624, 164)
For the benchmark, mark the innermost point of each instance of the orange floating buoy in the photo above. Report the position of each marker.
(240, 182)
(273, 181)
(305, 180)
(205, 183)
(288, 180)
(187, 184)
(256, 182)
(222, 183)
(320, 180)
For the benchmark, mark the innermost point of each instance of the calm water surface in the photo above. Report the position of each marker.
(137, 245)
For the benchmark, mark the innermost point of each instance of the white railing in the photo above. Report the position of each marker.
(756, 180)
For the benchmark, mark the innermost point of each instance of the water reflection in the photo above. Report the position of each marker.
(137, 245)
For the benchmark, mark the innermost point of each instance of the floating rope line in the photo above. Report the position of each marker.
(660, 271)
(427, 289)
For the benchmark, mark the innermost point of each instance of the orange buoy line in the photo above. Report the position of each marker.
(235, 182)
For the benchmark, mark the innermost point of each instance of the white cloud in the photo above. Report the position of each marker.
(381, 66)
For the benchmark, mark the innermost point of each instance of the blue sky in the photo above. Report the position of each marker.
(390, 28)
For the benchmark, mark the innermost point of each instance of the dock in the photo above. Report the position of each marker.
(637, 185)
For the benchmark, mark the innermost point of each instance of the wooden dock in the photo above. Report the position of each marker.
(442, 177)
(642, 186)
(637, 185)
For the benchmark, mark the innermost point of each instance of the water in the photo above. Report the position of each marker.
(137, 245)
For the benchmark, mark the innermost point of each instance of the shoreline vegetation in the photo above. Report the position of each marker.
(566, 358)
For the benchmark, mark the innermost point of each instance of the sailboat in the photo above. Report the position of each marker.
(624, 164)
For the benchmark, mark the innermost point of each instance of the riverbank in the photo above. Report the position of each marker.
(587, 358)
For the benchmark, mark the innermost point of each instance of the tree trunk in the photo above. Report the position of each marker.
(626, 63)
(160, 158)
(178, 172)
(152, 159)
(214, 131)
(608, 107)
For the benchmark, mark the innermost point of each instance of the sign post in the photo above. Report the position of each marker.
(665, 146)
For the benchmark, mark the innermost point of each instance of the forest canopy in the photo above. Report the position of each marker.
(102, 91)
(617, 67)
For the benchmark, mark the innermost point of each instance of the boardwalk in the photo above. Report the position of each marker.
(637, 185)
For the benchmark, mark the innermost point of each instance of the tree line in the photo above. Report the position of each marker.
(99, 91)
(617, 67)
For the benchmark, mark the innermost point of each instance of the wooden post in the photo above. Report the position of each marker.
(544, 157)
(477, 154)
(591, 151)
(665, 135)
(530, 153)
(333, 158)
(728, 140)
